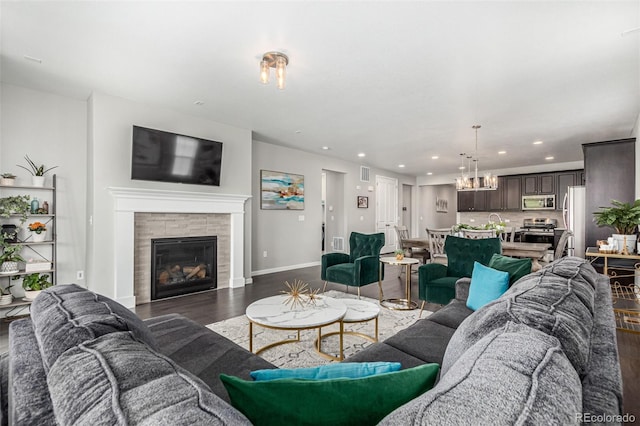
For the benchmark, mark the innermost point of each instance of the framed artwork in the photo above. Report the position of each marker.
(363, 202)
(281, 191)
(442, 205)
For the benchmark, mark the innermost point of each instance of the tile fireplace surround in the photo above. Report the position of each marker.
(131, 201)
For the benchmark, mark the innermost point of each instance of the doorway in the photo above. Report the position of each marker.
(333, 211)
(387, 210)
(407, 206)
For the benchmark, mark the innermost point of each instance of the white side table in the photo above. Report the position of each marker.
(399, 304)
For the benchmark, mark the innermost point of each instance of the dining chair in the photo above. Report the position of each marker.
(508, 234)
(437, 239)
(562, 244)
(476, 234)
(403, 234)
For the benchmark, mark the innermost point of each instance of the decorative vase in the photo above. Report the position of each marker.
(11, 232)
(37, 180)
(630, 241)
(6, 299)
(9, 267)
(38, 238)
(31, 294)
(7, 181)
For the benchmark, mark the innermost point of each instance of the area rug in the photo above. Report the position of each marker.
(302, 354)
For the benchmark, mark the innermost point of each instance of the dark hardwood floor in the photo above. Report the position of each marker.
(217, 305)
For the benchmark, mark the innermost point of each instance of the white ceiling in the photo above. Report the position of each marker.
(399, 81)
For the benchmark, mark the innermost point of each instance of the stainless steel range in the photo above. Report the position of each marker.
(539, 230)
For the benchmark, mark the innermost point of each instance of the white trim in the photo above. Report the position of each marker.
(128, 201)
(284, 268)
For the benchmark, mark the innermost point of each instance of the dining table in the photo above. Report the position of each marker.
(415, 242)
(535, 251)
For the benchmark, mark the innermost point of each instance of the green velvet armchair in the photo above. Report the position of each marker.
(358, 268)
(437, 283)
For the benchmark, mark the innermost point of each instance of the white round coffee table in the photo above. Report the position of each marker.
(272, 312)
(358, 311)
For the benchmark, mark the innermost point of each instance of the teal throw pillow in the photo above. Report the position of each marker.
(346, 370)
(487, 284)
(363, 401)
(517, 268)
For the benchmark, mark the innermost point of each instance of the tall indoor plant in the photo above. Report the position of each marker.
(623, 218)
(37, 172)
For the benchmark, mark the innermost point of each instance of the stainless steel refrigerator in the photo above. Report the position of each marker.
(574, 214)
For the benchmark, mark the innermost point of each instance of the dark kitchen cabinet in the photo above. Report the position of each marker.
(563, 181)
(543, 184)
(512, 199)
(495, 199)
(469, 201)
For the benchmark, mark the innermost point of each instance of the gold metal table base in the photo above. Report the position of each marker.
(399, 304)
(317, 344)
(342, 332)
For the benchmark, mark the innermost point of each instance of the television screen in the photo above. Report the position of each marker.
(168, 157)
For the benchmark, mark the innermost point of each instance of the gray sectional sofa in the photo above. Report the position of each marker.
(544, 353)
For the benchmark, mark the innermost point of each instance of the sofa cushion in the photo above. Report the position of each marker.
(66, 315)
(328, 402)
(558, 300)
(383, 352)
(115, 379)
(517, 268)
(487, 284)
(452, 314)
(203, 352)
(344, 370)
(425, 340)
(514, 375)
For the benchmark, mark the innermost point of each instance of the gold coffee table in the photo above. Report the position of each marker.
(357, 311)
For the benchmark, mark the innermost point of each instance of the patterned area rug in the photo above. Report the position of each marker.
(302, 354)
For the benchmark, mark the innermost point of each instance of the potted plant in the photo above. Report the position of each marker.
(15, 204)
(33, 284)
(7, 179)
(37, 172)
(399, 254)
(5, 294)
(38, 231)
(624, 218)
(10, 257)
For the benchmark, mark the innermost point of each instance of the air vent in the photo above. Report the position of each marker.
(338, 243)
(364, 174)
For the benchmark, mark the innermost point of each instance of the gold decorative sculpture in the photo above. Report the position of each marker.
(313, 296)
(297, 292)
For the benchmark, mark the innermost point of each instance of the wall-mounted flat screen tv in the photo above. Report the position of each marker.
(169, 157)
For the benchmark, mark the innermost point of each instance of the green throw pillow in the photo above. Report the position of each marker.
(517, 268)
(487, 284)
(362, 401)
(346, 370)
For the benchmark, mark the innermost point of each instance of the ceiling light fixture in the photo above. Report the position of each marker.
(276, 60)
(466, 183)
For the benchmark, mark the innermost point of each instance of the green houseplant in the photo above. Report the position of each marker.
(33, 284)
(10, 257)
(623, 218)
(15, 205)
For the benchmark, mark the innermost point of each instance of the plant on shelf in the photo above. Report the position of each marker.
(15, 205)
(37, 227)
(10, 257)
(34, 169)
(7, 179)
(36, 282)
(623, 217)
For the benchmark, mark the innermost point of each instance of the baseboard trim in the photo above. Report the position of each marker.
(284, 268)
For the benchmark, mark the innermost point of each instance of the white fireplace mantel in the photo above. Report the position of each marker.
(128, 201)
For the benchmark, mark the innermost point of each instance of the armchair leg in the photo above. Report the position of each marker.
(358, 293)
(421, 308)
(325, 286)
(380, 293)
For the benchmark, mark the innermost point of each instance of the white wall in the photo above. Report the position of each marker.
(109, 153)
(51, 129)
(289, 242)
(429, 217)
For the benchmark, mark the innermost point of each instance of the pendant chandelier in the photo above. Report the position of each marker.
(467, 183)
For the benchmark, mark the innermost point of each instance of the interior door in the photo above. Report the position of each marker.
(387, 211)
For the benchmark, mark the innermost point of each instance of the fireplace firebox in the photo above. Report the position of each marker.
(183, 265)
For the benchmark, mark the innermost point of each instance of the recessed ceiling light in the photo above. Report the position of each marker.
(32, 59)
(362, 154)
(326, 148)
(198, 103)
(502, 152)
(401, 165)
(298, 132)
(461, 168)
(435, 157)
(548, 158)
(429, 174)
(537, 143)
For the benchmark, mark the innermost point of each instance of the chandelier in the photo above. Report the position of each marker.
(467, 183)
(276, 60)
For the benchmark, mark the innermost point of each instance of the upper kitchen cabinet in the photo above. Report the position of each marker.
(469, 201)
(543, 183)
(565, 180)
(507, 197)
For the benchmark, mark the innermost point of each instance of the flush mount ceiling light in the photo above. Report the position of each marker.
(276, 60)
(467, 183)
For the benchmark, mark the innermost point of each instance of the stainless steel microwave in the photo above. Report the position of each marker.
(538, 202)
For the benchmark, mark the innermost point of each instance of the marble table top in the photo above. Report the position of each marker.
(272, 312)
(394, 261)
(360, 310)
